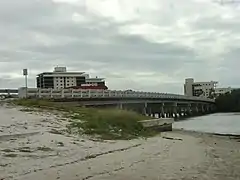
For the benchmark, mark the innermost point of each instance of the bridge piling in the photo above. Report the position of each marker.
(145, 108)
(162, 111)
(152, 104)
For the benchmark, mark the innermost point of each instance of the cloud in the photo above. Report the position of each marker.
(144, 45)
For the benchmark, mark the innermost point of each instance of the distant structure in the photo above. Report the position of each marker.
(60, 78)
(200, 89)
(204, 89)
(220, 91)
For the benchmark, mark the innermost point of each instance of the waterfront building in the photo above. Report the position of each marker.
(60, 78)
(200, 89)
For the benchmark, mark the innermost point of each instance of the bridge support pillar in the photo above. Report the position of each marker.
(175, 110)
(203, 109)
(145, 109)
(189, 111)
(159, 115)
(167, 112)
(149, 112)
(207, 108)
(171, 112)
(162, 113)
(196, 109)
(120, 106)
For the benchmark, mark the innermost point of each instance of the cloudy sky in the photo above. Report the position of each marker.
(148, 45)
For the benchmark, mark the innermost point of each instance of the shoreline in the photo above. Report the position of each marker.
(51, 155)
(191, 132)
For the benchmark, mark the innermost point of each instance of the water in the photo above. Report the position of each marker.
(222, 123)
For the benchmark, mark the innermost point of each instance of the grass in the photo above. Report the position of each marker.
(103, 123)
(109, 123)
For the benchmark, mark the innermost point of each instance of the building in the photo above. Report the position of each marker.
(200, 89)
(220, 91)
(60, 78)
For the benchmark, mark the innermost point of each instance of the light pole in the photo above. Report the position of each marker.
(25, 73)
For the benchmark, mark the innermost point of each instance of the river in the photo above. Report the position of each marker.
(222, 123)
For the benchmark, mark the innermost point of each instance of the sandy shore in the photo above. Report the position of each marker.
(33, 147)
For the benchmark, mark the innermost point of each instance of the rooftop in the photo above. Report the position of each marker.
(61, 73)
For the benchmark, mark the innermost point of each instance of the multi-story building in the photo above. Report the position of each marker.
(220, 91)
(201, 89)
(60, 78)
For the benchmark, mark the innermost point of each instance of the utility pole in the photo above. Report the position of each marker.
(25, 74)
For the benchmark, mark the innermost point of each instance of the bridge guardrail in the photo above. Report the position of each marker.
(84, 93)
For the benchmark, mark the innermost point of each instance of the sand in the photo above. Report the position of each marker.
(32, 146)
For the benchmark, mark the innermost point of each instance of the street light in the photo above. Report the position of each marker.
(25, 73)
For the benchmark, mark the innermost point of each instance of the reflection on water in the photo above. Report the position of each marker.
(223, 123)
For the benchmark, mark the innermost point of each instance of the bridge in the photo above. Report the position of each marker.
(8, 91)
(147, 103)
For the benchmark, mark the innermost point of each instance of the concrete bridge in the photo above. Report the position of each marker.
(155, 104)
(8, 91)
(158, 108)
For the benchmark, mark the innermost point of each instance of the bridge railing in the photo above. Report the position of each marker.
(84, 93)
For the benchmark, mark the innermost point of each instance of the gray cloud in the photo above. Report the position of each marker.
(149, 46)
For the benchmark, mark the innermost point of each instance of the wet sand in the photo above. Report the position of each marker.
(34, 146)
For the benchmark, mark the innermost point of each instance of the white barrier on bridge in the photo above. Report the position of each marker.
(90, 93)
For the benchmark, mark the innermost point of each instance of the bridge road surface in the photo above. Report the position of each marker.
(33, 147)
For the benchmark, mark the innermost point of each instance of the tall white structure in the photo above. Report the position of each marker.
(60, 78)
(188, 87)
(201, 89)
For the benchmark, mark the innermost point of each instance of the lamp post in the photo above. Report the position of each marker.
(25, 74)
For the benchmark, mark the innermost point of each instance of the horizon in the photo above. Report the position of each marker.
(148, 46)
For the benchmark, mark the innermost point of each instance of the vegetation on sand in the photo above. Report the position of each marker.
(105, 123)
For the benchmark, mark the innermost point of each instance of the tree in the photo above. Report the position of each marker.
(229, 102)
